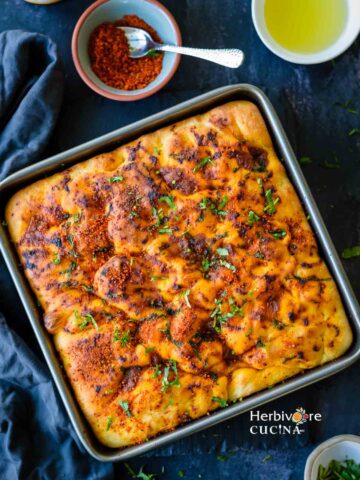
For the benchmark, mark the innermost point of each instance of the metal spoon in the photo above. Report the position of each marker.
(141, 43)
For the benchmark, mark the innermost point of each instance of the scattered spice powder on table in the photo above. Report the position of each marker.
(109, 56)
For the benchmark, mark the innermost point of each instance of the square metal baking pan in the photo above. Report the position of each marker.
(107, 142)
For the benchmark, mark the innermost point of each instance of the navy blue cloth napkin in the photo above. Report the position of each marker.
(37, 440)
(31, 91)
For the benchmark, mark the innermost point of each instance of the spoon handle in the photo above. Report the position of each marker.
(228, 57)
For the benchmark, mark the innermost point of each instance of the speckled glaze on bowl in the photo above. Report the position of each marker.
(101, 11)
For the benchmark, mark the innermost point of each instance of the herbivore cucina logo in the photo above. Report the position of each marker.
(281, 423)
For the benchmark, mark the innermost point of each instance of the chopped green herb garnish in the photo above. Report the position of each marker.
(171, 367)
(123, 338)
(149, 349)
(260, 344)
(249, 332)
(158, 371)
(70, 239)
(56, 259)
(220, 318)
(87, 288)
(223, 202)
(346, 470)
(71, 268)
(83, 324)
(186, 294)
(117, 178)
(270, 202)
(3, 223)
(86, 319)
(153, 53)
(351, 252)
(153, 278)
(228, 265)
(165, 229)
(125, 406)
(278, 233)
(223, 252)
(77, 217)
(157, 151)
(203, 162)
(109, 423)
(169, 199)
(144, 476)
(208, 204)
(267, 458)
(158, 215)
(204, 203)
(221, 401)
(252, 218)
(206, 264)
(305, 161)
(279, 325)
(259, 255)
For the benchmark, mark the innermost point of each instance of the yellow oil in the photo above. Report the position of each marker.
(305, 26)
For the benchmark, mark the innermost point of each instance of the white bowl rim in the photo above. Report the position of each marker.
(333, 51)
(324, 446)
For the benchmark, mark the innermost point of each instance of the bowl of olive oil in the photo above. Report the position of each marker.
(307, 31)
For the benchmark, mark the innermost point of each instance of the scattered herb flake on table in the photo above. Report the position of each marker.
(348, 106)
(354, 131)
(305, 161)
(267, 458)
(141, 474)
(334, 164)
(223, 458)
(351, 252)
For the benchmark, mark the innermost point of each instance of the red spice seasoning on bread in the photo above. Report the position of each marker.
(110, 60)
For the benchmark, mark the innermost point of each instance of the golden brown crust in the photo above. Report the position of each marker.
(177, 273)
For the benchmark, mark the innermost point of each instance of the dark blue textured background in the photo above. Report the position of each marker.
(305, 98)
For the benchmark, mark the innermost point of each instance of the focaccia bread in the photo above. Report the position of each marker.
(177, 274)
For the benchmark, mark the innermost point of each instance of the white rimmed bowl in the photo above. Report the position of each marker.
(347, 37)
(340, 448)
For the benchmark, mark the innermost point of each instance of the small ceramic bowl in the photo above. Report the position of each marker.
(348, 36)
(155, 14)
(340, 448)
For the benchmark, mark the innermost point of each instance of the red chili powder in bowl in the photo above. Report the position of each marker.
(109, 56)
